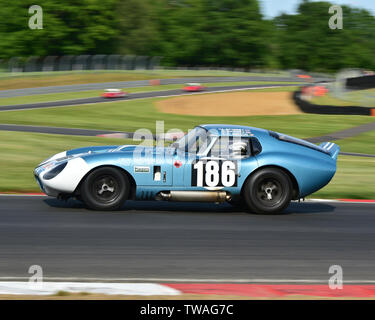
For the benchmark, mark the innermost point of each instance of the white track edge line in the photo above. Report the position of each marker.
(49, 288)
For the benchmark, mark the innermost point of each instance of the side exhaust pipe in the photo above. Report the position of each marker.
(194, 196)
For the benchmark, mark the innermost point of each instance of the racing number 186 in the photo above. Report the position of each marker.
(214, 173)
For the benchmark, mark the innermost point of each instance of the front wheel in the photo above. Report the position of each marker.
(105, 189)
(268, 191)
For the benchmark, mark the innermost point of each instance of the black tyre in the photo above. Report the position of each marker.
(268, 191)
(105, 189)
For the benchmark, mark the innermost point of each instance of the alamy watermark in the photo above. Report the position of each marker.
(36, 20)
(334, 23)
(336, 280)
(337, 20)
(36, 280)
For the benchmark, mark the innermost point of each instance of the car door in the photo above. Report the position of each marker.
(153, 167)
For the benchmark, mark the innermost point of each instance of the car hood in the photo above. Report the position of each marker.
(98, 150)
(127, 149)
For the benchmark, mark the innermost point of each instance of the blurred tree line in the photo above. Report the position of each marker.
(230, 33)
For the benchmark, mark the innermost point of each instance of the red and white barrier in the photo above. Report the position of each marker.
(174, 289)
(275, 290)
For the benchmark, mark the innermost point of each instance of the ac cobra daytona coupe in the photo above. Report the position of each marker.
(258, 169)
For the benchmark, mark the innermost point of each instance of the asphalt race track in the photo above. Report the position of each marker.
(133, 96)
(139, 83)
(153, 241)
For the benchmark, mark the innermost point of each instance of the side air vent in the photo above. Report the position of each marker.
(157, 173)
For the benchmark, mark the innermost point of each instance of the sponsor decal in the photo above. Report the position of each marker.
(141, 169)
(178, 164)
(235, 132)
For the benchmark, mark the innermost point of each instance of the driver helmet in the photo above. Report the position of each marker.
(238, 148)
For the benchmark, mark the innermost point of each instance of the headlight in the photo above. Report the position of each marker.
(55, 171)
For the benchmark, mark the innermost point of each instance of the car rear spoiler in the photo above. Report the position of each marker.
(332, 148)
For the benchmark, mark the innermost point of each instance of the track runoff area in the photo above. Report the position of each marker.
(271, 256)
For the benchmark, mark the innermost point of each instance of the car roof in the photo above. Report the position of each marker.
(113, 90)
(193, 84)
(232, 130)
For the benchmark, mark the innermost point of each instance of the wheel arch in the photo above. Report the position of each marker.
(296, 190)
(133, 185)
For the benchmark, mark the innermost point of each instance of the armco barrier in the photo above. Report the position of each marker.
(81, 62)
(308, 107)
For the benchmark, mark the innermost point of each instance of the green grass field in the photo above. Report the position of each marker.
(354, 180)
(133, 115)
(359, 143)
(329, 100)
(96, 93)
(21, 152)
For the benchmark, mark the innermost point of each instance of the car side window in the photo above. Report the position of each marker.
(256, 147)
(231, 147)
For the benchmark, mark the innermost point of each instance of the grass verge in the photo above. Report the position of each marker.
(22, 152)
(365, 98)
(359, 144)
(353, 173)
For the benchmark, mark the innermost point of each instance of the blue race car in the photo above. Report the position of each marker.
(260, 169)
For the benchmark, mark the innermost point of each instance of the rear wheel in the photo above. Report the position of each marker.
(268, 191)
(105, 189)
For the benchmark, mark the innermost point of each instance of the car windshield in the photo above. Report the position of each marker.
(196, 141)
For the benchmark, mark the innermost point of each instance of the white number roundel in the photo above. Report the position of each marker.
(214, 173)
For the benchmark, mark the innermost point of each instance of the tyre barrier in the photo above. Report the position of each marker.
(361, 83)
(308, 107)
